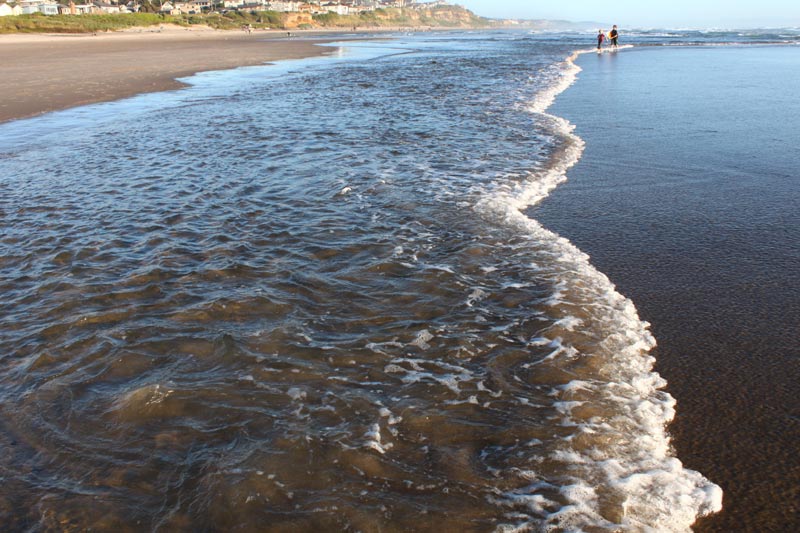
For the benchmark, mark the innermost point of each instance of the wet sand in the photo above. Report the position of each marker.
(42, 73)
(699, 226)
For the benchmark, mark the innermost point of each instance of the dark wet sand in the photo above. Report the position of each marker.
(687, 197)
(51, 72)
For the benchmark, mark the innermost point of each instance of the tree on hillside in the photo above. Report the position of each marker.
(148, 7)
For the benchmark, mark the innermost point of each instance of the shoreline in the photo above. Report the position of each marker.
(721, 317)
(704, 500)
(47, 72)
(42, 73)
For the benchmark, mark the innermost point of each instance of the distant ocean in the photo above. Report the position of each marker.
(318, 296)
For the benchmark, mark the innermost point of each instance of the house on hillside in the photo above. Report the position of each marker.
(102, 7)
(9, 11)
(76, 9)
(430, 5)
(337, 8)
(38, 6)
(284, 6)
(169, 9)
(189, 8)
(193, 7)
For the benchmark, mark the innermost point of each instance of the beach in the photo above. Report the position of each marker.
(437, 282)
(42, 73)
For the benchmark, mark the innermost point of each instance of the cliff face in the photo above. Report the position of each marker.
(450, 16)
(295, 20)
(444, 16)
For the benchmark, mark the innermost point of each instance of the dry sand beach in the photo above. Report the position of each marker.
(42, 73)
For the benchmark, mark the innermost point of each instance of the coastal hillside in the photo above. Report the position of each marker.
(440, 16)
(443, 16)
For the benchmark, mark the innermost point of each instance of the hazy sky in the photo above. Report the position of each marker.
(649, 13)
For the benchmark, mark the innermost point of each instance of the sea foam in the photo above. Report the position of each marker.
(622, 474)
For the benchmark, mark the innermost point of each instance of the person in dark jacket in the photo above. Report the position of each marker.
(614, 35)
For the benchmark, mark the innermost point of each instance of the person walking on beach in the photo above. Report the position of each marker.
(601, 36)
(614, 35)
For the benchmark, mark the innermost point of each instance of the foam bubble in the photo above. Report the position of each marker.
(419, 370)
(373, 436)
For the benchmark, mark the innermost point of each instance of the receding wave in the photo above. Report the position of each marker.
(264, 314)
(611, 466)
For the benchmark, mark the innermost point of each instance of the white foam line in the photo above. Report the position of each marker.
(635, 462)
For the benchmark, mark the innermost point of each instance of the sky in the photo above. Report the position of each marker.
(649, 13)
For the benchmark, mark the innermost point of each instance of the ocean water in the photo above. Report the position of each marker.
(312, 296)
(686, 196)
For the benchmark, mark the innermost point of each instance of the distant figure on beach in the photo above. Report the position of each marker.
(601, 36)
(614, 35)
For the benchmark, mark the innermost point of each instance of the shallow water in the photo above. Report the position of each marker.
(687, 196)
(307, 297)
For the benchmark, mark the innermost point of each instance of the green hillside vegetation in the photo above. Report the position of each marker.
(442, 17)
(39, 23)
